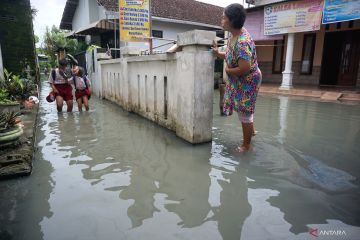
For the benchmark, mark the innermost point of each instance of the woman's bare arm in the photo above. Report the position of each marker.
(242, 68)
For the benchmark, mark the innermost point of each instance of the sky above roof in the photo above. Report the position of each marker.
(50, 12)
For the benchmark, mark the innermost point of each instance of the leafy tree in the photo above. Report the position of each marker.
(36, 39)
(34, 12)
(55, 40)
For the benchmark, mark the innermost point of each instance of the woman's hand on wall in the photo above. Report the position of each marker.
(216, 51)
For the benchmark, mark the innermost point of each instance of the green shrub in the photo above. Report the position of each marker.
(15, 87)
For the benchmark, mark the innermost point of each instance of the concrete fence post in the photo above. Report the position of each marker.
(195, 84)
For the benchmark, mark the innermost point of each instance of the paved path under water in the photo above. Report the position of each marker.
(108, 174)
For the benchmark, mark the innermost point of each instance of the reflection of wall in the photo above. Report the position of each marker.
(283, 111)
(234, 208)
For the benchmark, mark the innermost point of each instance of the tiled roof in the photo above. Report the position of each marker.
(186, 10)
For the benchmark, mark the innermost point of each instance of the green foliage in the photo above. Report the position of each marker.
(15, 87)
(4, 96)
(55, 40)
(92, 47)
(42, 66)
(36, 39)
(17, 39)
(34, 12)
(8, 119)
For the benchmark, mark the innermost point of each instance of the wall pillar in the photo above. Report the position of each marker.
(195, 84)
(97, 73)
(286, 83)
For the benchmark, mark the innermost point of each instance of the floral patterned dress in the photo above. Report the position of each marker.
(241, 91)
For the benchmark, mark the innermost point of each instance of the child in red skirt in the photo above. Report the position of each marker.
(82, 88)
(61, 89)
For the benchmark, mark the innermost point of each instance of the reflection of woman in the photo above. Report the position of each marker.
(242, 69)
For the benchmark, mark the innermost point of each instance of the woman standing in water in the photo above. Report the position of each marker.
(244, 75)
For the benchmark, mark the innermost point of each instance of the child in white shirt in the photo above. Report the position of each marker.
(82, 88)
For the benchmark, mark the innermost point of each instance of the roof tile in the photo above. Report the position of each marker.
(187, 10)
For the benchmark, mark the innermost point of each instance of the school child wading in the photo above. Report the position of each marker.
(82, 88)
(61, 89)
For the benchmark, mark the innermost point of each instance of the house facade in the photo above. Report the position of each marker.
(325, 57)
(169, 17)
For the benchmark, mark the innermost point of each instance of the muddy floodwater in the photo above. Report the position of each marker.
(110, 174)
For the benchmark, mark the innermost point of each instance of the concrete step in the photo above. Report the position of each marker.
(350, 97)
(331, 96)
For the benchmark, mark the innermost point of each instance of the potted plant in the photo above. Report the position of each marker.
(14, 89)
(10, 130)
(6, 105)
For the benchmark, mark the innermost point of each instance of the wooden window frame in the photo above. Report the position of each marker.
(312, 53)
(276, 42)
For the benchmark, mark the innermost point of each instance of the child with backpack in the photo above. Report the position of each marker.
(82, 88)
(61, 89)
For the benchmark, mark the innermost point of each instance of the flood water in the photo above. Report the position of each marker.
(108, 174)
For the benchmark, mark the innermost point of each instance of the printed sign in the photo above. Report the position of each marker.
(134, 20)
(263, 2)
(292, 17)
(255, 25)
(341, 10)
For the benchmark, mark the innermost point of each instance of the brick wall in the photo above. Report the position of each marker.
(298, 79)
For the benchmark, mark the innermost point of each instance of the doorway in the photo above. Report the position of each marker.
(340, 63)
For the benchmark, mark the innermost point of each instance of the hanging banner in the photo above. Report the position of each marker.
(134, 20)
(341, 10)
(292, 17)
(263, 2)
(254, 23)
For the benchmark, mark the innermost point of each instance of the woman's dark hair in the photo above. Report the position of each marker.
(236, 14)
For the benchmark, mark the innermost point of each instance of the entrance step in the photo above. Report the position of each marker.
(331, 96)
(350, 97)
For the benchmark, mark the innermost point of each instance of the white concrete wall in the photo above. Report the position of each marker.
(82, 15)
(101, 13)
(92, 69)
(173, 90)
(138, 84)
(93, 11)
